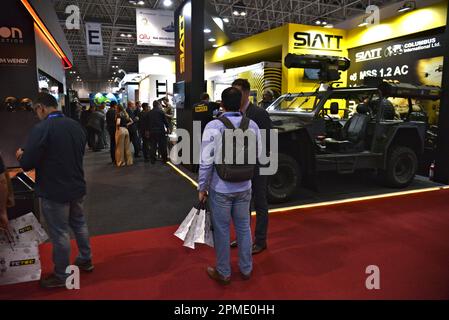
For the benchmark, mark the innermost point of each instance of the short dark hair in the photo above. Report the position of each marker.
(113, 103)
(156, 104)
(204, 96)
(46, 100)
(145, 105)
(242, 83)
(231, 99)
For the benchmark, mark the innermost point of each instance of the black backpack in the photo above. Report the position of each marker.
(235, 172)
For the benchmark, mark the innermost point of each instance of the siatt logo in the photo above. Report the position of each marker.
(368, 55)
(11, 35)
(317, 41)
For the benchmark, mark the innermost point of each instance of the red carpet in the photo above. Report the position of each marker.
(316, 253)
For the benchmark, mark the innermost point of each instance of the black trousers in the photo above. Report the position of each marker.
(135, 140)
(112, 143)
(158, 141)
(145, 145)
(95, 139)
(259, 199)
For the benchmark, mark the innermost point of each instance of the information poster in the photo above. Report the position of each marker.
(155, 28)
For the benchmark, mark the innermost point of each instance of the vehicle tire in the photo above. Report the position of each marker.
(283, 184)
(401, 167)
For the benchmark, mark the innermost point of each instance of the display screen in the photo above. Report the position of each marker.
(179, 94)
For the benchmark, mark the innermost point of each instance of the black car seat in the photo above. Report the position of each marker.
(353, 132)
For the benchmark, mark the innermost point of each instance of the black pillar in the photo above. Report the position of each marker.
(189, 39)
(442, 155)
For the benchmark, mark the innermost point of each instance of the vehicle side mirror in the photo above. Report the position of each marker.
(334, 108)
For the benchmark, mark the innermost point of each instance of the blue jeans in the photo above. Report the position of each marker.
(59, 218)
(224, 206)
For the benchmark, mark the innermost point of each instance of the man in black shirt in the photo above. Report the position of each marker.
(259, 182)
(111, 124)
(133, 129)
(55, 149)
(156, 126)
(145, 140)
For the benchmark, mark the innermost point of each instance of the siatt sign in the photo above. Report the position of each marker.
(317, 41)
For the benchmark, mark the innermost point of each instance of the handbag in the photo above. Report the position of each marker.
(25, 229)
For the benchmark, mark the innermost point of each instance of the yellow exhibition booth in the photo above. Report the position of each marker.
(275, 44)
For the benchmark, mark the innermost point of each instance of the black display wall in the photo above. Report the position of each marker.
(442, 156)
(189, 39)
(18, 69)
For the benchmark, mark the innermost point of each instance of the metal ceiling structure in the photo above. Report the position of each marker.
(119, 17)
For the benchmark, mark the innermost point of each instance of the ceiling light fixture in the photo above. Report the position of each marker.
(407, 6)
(225, 20)
(239, 9)
(215, 46)
(212, 39)
(141, 3)
(168, 3)
(318, 22)
(129, 35)
(122, 35)
(207, 30)
(134, 2)
(155, 54)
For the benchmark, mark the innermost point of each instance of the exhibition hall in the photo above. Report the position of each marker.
(218, 150)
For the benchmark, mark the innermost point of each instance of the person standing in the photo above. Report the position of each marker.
(259, 182)
(55, 149)
(95, 129)
(145, 140)
(111, 125)
(267, 99)
(133, 127)
(156, 127)
(226, 199)
(123, 154)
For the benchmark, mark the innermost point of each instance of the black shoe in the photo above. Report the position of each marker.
(258, 249)
(234, 244)
(85, 266)
(52, 282)
(245, 276)
(213, 274)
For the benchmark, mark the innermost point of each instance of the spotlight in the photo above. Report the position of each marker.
(318, 22)
(212, 39)
(141, 3)
(407, 6)
(225, 20)
(239, 9)
(134, 2)
(167, 3)
(207, 30)
(129, 35)
(155, 54)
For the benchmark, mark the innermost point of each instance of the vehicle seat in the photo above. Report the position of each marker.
(353, 133)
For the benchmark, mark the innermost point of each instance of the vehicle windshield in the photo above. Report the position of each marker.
(298, 102)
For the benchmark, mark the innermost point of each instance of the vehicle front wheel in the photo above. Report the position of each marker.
(283, 183)
(401, 167)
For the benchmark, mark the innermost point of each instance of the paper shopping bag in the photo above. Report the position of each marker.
(208, 231)
(19, 263)
(25, 229)
(185, 225)
(194, 230)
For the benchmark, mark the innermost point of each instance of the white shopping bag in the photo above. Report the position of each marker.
(19, 263)
(185, 225)
(25, 229)
(196, 228)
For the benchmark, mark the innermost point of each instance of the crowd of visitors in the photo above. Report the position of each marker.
(56, 148)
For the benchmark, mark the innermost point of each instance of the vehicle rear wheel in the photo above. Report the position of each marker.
(283, 184)
(401, 167)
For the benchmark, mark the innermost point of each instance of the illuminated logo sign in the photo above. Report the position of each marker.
(182, 57)
(11, 35)
(368, 55)
(317, 41)
(20, 263)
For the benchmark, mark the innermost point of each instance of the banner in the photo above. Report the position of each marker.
(155, 28)
(94, 39)
(413, 59)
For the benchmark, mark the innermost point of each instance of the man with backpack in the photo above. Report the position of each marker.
(228, 185)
